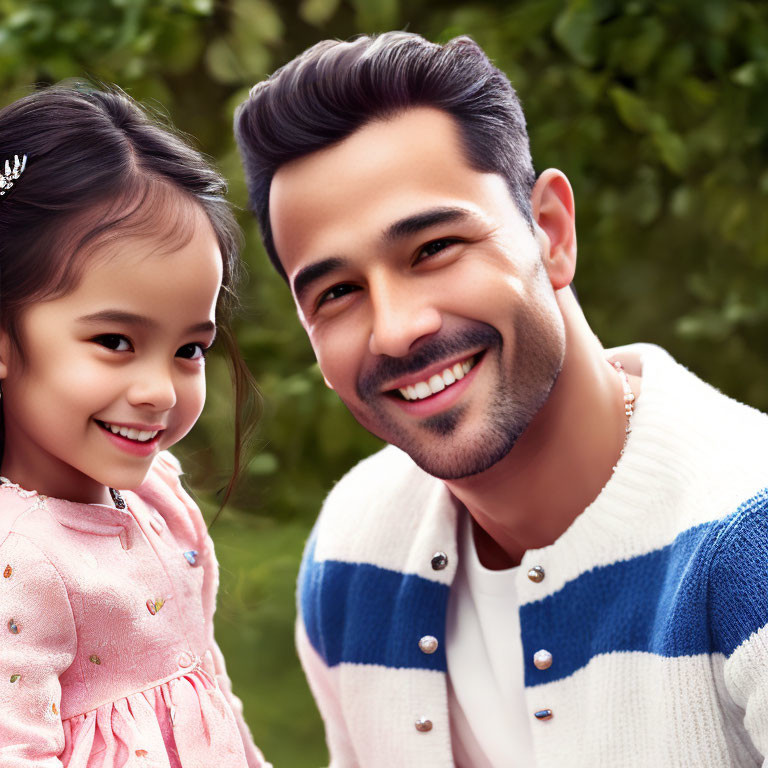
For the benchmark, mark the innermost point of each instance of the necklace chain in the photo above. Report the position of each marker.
(629, 401)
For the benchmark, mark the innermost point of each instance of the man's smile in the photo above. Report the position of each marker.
(437, 382)
(446, 397)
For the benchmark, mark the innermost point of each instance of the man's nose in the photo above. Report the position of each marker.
(401, 316)
(153, 385)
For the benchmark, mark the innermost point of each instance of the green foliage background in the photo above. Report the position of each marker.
(657, 111)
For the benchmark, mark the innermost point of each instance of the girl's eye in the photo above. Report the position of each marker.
(192, 351)
(430, 249)
(342, 289)
(114, 341)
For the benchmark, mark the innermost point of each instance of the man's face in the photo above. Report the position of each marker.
(422, 289)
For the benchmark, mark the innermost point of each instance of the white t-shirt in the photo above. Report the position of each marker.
(489, 719)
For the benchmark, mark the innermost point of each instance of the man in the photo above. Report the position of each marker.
(563, 560)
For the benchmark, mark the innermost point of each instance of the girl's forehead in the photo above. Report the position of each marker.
(175, 269)
(159, 221)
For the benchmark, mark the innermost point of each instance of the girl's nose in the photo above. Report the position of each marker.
(153, 387)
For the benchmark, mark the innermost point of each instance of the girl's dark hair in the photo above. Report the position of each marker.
(99, 168)
(334, 88)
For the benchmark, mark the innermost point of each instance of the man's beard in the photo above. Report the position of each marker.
(522, 387)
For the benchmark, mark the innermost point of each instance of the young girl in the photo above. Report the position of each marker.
(118, 255)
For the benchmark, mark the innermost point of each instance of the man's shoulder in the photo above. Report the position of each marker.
(738, 577)
(371, 549)
(692, 422)
(380, 509)
(379, 478)
(385, 486)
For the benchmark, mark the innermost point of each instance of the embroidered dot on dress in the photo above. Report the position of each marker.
(7, 572)
(13, 627)
(191, 556)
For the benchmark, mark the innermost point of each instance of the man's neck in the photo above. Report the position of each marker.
(557, 467)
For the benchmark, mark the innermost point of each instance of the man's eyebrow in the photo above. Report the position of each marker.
(313, 272)
(122, 317)
(414, 224)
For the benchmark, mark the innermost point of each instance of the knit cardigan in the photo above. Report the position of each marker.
(653, 603)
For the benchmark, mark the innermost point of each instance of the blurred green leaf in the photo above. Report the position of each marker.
(222, 61)
(671, 150)
(317, 12)
(575, 30)
(632, 110)
(376, 15)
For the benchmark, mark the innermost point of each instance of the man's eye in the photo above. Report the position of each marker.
(114, 341)
(342, 289)
(192, 351)
(430, 249)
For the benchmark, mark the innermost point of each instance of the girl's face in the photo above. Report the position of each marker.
(122, 353)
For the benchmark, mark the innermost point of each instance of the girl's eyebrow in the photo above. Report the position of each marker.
(130, 318)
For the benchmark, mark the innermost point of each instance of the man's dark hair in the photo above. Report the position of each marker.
(334, 88)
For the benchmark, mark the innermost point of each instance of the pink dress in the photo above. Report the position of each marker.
(107, 654)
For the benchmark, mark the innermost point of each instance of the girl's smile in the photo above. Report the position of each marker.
(139, 442)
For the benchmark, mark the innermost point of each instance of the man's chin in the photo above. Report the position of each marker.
(460, 465)
(453, 453)
(445, 445)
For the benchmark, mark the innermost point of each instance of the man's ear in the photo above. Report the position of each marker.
(553, 211)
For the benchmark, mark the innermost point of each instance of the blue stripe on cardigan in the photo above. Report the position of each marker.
(705, 592)
(362, 614)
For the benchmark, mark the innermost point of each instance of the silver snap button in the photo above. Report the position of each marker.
(543, 714)
(439, 561)
(536, 574)
(542, 659)
(428, 644)
(423, 725)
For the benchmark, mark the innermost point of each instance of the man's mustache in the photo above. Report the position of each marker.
(436, 348)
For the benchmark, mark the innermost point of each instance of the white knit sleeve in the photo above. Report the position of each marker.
(322, 683)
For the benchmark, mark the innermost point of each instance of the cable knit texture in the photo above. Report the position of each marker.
(107, 654)
(654, 602)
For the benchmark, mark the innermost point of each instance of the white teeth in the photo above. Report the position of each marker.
(438, 382)
(422, 390)
(141, 435)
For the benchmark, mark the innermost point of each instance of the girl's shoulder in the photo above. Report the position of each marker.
(25, 512)
(162, 490)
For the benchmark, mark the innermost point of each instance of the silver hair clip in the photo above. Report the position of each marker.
(11, 174)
